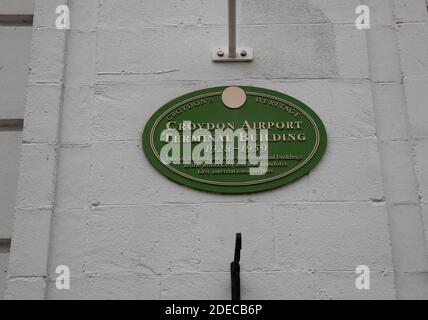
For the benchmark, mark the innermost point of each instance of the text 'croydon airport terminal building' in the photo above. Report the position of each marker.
(138, 137)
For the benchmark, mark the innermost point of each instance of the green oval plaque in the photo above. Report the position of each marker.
(234, 139)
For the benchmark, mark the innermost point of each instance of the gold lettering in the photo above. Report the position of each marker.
(171, 125)
(246, 125)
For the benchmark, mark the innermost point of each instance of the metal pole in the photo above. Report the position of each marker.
(232, 28)
(232, 52)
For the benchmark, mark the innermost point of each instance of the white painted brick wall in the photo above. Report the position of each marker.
(36, 185)
(413, 46)
(16, 7)
(4, 261)
(128, 232)
(10, 146)
(14, 58)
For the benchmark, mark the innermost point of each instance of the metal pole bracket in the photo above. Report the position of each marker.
(232, 53)
(243, 54)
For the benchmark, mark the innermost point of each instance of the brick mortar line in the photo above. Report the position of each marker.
(277, 204)
(387, 272)
(297, 202)
(218, 26)
(84, 276)
(86, 230)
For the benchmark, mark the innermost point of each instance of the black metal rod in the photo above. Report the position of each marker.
(235, 269)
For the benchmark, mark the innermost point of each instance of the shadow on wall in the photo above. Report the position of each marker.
(292, 27)
(282, 11)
